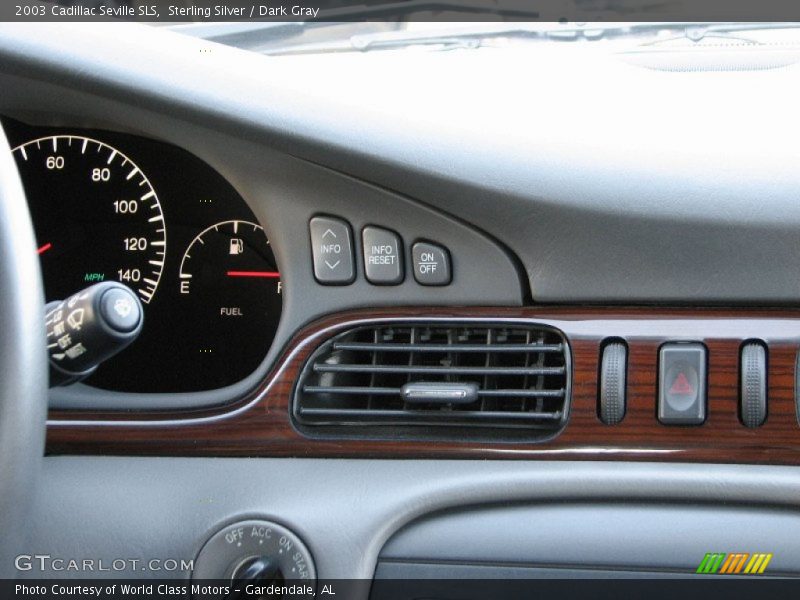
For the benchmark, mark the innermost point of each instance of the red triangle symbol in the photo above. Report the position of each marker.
(681, 385)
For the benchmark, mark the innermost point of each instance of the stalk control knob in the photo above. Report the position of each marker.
(90, 327)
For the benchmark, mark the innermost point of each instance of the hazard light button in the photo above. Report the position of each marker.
(682, 384)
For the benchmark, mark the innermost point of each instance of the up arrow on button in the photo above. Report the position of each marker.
(332, 250)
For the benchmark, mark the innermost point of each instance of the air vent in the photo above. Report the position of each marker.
(430, 379)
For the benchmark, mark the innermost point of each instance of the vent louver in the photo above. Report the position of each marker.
(407, 379)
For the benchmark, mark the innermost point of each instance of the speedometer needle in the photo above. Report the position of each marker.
(45, 248)
(270, 274)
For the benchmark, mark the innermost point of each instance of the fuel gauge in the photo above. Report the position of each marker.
(232, 288)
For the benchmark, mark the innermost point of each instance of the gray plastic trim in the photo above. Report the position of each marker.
(388, 569)
(600, 535)
(346, 510)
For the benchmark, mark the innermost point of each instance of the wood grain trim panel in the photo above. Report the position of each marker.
(259, 425)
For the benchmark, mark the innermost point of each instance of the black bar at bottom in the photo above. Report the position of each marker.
(688, 587)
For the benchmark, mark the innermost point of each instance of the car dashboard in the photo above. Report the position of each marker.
(410, 333)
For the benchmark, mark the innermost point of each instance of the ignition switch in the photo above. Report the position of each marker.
(255, 559)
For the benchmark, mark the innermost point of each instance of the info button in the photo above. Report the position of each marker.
(682, 384)
(332, 249)
(383, 256)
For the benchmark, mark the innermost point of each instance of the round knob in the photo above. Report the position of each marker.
(257, 557)
(613, 369)
(753, 385)
(257, 568)
(254, 570)
(120, 309)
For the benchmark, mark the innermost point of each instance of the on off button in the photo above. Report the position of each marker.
(431, 264)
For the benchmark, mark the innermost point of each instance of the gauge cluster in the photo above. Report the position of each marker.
(109, 206)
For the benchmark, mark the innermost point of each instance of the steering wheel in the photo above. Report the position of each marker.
(23, 363)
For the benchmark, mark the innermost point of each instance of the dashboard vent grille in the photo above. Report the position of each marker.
(506, 376)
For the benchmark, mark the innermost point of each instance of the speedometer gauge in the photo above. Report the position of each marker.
(97, 217)
(104, 204)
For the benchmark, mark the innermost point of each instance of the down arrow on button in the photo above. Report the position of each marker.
(332, 250)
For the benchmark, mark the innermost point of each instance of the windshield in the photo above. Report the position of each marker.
(297, 37)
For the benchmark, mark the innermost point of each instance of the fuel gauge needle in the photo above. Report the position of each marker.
(45, 248)
(269, 274)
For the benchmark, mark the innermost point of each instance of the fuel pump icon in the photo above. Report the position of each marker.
(236, 246)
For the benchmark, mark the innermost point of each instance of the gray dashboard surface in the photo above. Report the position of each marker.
(345, 510)
(600, 535)
(611, 181)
